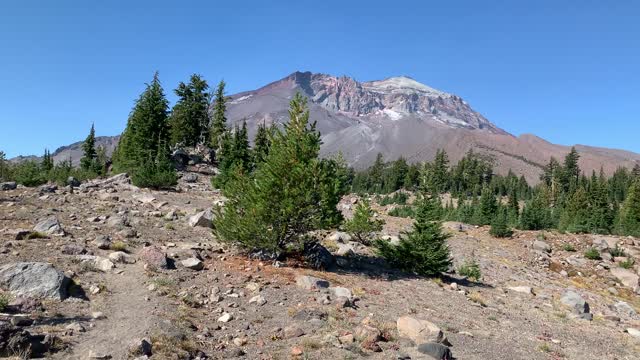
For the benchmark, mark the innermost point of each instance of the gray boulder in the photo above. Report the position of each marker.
(35, 280)
(11, 185)
(311, 283)
(575, 303)
(541, 246)
(435, 350)
(193, 264)
(203, 219)
(317, 256)
(49, 226)
(190, 177)
(73, 182)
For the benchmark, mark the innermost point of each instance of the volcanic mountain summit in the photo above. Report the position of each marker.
(399, 116)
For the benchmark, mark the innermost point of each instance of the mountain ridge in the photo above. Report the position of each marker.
(396, 116)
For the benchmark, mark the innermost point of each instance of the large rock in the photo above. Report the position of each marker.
(575, 302)
(193, 264)
(203, 219)
(541, 246)
(627, 278)
(420, 331)
(317, 256)
(311, 283)
(624, 309)
(11, 185)
(49, 226)
(35, 280)
(153, 258)
(436, 351)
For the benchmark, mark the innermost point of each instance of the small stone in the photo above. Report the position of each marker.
(98, 315)
(522, 289)
(346, 339)
(258, 300)
(240, 341)
(203, 219)
(141, 347)
(193, 264)
(226, 317)
(311, 283)
(102, 242)
(634, 332)
(575, 302)
(296, 351)
(292, 331)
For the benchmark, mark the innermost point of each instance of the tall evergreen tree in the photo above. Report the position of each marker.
(499, 225)
(424, 249)
(571, 171)
(219, 120)
(261, 143)
(486, 209)
(189, 120)
(600, 217)
(575, 216)
(629, 215)
(5, 170)
(144, 143)
(87, 162)
(438, 173)
(47, 161)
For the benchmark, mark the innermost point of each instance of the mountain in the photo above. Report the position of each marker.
(399, 116)
(74, 151)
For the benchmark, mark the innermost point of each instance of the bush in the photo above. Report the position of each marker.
(402, 211)
(568, 247)
(616, 252)
(363, 223)
(471, 270)
(155, 175)
(424, 249)
(627, 264)
(592, 254)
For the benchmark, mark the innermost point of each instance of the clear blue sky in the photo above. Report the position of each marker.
(568, 71)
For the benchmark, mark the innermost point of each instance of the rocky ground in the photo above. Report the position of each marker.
(105, 270)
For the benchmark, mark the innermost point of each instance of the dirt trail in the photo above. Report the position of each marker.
(130, 315)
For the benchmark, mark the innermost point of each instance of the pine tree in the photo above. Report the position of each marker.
(363, 223)
(513, 208)
(575, 216)
(234, 155)
(144, 144)
(486, 209)
(334, 182)
(629, 215)
(423, 250)
(571, 171)
(536, 214)
(438, 173)
(376, 173)
(219, 120)
(87, 162)
(273, 207)
(5, 170)
(499, 225)
(600, 216)
(189, 120)
(47, 161)
(261, 143)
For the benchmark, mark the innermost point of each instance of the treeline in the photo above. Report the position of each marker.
(94, 163)
(565, 199)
